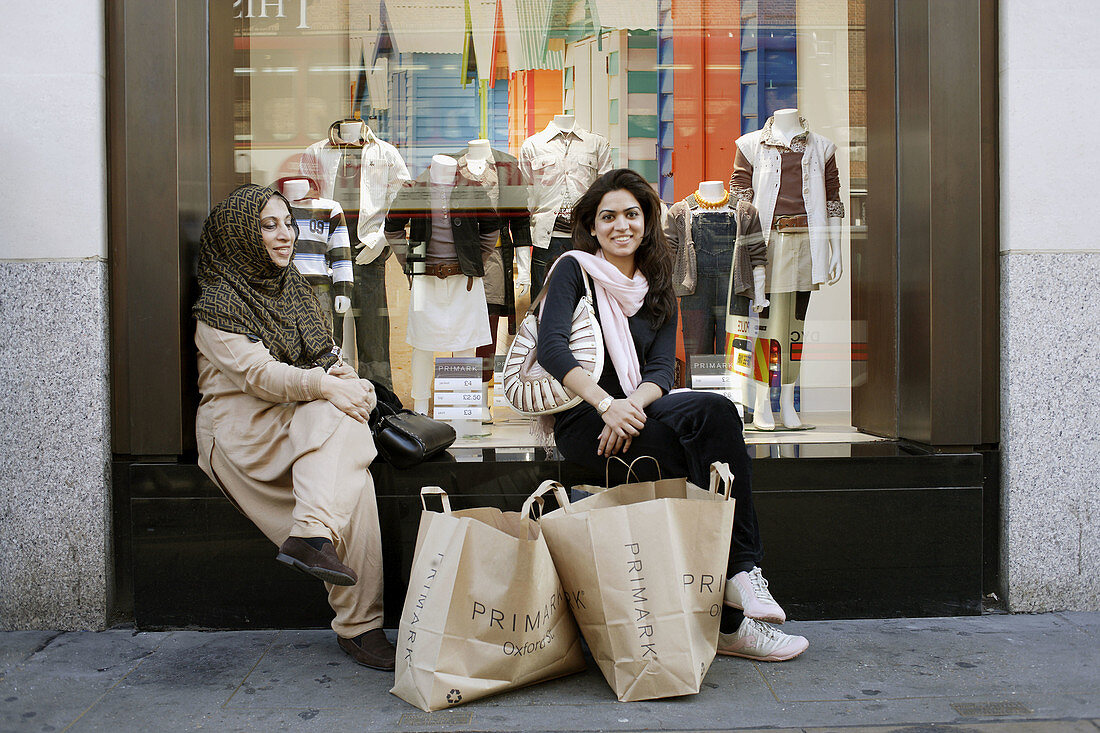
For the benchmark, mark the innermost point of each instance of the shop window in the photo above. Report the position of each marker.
(349, 106)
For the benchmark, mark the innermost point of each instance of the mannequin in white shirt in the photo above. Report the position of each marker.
(295, 191)
(523, 255)
(786, 125)
(440, 172)
(565, 123)
(560, 162)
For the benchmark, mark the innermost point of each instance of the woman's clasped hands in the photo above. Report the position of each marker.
(353, 396)
(622, 421)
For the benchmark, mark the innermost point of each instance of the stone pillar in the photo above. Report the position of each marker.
(55, 520)
(1050, 308)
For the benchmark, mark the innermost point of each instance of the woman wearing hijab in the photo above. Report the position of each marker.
(627, 410)
(282, 424)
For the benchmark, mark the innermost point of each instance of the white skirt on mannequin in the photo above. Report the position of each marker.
(451, 318)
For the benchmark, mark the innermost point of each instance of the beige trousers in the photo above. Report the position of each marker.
(326, 492)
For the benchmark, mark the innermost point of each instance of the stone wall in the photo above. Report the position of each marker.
(1050, 310)
(55, 525)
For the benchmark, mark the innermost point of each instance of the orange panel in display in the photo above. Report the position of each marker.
(534, 97)
(687, 97)
(706, 91)
(722, 84)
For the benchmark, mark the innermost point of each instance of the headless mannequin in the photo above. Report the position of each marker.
(351, 132)
(477, 156)
(565, 123)
(781, 316)
(477, 160)
(297, 190)
(441, 172)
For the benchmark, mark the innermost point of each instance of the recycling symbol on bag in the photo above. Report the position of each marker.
(454, 697)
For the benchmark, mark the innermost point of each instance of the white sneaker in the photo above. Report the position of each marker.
(762, 642)
(749, 592)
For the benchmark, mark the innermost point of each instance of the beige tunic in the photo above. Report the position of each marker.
(291, 461)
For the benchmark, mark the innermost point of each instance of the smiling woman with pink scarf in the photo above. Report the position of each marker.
(627, 411)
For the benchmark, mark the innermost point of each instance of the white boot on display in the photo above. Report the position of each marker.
(762, 418)
(787, 413)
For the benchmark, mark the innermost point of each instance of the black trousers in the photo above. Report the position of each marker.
(542, 259)
(685, 432)
(372, 321)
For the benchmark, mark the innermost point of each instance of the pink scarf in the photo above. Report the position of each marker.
(618, 298)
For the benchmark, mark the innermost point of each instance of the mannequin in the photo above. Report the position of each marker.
(802, 229)
(479, 155)
(323, 252)
(721, 258)
(350, 131)
(452, 233)
(565, 122)
(712, 191)
(363, 174)
(499, 175)
(442, 170)
(560, 163)
(296, 191)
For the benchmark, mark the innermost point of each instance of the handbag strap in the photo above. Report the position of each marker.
(437, 491)
(537, 302)
(720, 473)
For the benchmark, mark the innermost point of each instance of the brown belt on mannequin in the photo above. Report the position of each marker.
(791, 222)
(445, 270)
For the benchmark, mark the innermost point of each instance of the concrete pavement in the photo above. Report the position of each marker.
(989, 674)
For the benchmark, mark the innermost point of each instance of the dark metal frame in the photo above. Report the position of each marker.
(926, 283)
(928, 288)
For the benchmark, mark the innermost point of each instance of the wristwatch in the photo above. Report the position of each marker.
(604, 405)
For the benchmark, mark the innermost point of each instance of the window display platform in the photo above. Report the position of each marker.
(829, 427)
(862, 528)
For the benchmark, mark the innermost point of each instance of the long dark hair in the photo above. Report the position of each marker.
(654, 256)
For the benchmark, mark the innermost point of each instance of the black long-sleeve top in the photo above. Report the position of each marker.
(656, 347)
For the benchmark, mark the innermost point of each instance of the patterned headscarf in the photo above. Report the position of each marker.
(244, 292)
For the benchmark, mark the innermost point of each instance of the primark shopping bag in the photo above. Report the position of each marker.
(643, 566)
(485, 611)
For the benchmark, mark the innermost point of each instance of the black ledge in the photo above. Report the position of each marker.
(857, 530)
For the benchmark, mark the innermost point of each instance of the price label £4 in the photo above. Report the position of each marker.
(455, 384)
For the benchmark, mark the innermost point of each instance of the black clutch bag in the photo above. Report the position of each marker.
(405, 438)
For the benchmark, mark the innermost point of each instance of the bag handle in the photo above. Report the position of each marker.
(720, 473)
(437, 491)
(546, 486)
(535, 499)
(629, 468)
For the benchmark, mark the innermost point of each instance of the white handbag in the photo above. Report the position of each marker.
(528, 387)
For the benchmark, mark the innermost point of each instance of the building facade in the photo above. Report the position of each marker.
(935, 360)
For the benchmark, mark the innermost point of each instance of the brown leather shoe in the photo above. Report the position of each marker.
(323, 563)
(373, 649)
